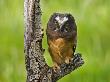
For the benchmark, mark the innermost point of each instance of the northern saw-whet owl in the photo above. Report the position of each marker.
(61, 38)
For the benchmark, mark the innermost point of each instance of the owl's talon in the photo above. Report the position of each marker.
(56, 67)
(68, 60)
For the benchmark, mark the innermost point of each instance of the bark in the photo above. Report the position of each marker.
(36, 67)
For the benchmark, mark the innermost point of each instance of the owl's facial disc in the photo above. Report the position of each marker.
(61, 20)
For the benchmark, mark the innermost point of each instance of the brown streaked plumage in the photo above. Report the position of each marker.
(61, 37)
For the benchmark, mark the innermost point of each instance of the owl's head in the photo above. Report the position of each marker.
(62, 23)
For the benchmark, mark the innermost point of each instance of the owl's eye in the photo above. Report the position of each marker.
(56, 26)
(67, 28)
(56, 29)
(55, 23)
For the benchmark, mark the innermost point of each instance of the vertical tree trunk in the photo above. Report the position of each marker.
(37, 69)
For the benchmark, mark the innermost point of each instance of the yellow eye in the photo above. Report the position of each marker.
(56, 29)
(66, 27)
(65, 30)
(55, 22)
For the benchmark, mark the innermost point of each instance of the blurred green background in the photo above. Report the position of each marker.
(93, 22)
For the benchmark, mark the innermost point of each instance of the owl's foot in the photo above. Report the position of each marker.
(56, 67)
(68, 60)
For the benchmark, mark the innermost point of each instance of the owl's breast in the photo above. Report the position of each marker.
(60, 47)
(57, 43)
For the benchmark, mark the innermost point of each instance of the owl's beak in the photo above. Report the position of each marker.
(61, 25)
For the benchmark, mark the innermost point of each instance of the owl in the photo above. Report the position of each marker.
(61, 38)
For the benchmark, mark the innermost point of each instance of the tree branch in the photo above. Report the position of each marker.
(37, 68)
(76, 62)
